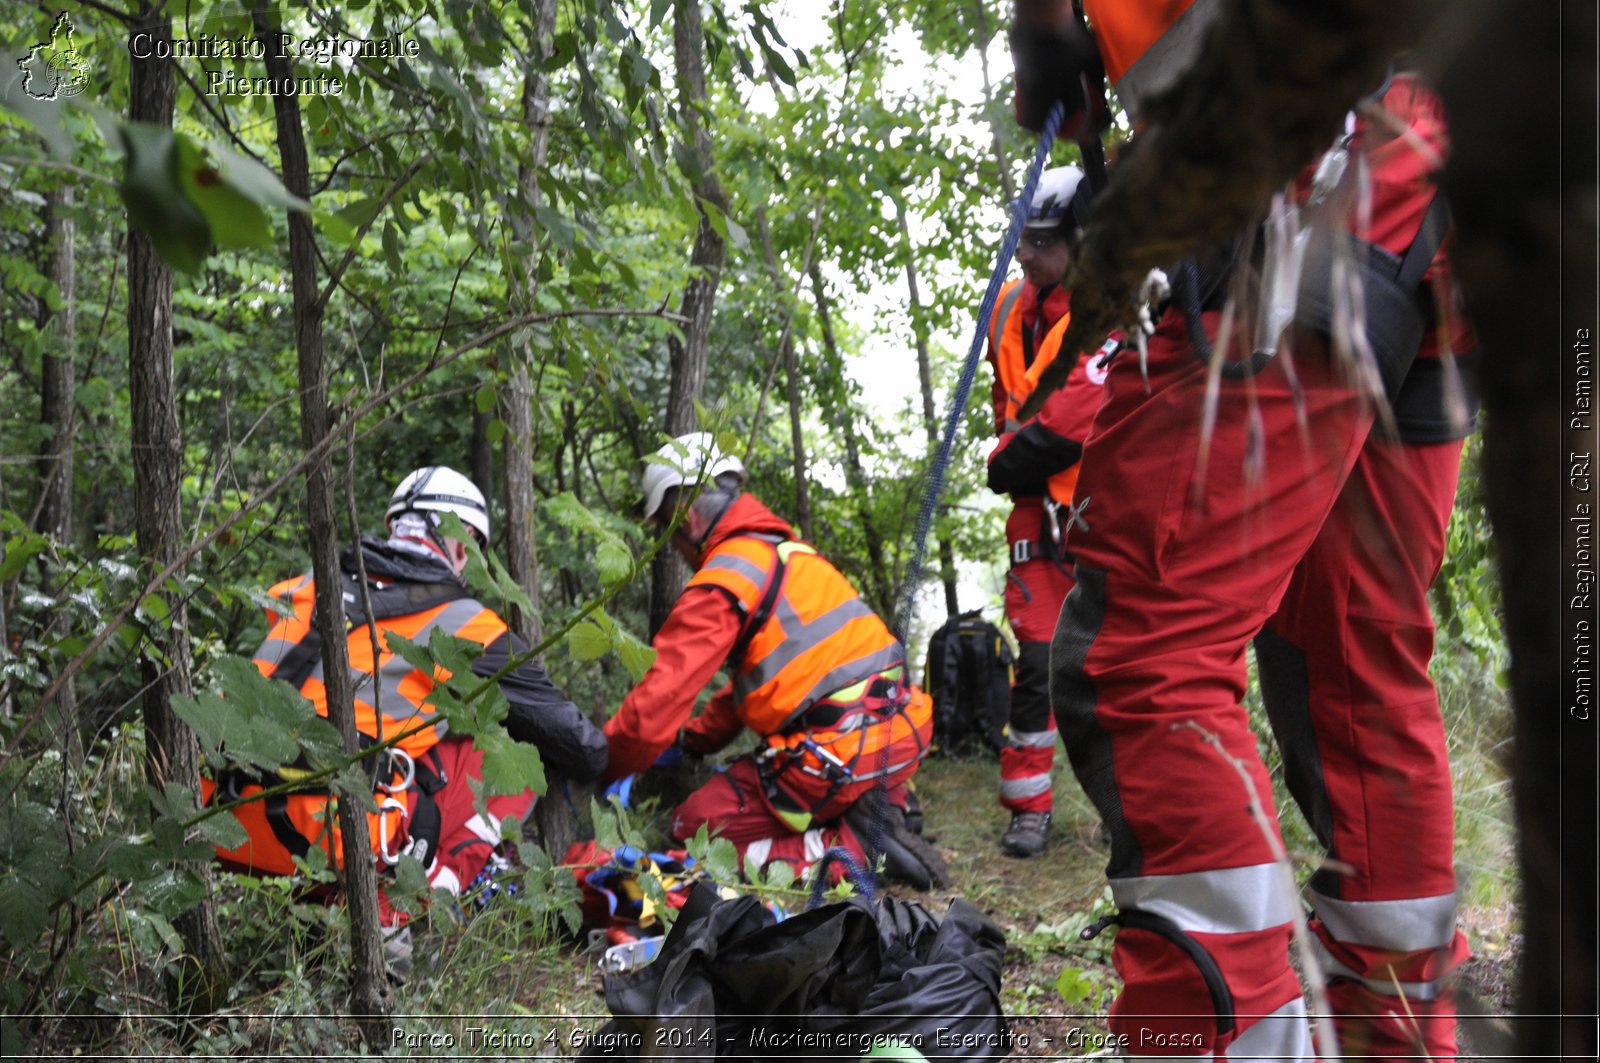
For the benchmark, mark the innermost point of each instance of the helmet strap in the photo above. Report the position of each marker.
(707, 510)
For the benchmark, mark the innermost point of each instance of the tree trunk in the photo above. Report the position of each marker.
(1523, 248)
(669, 573)
(481, 459)
(172, 751)
(797, 442)
(553, 821)
(58, 379)
(371, 998)
(947, 554)
(57, 373)
(879, 583)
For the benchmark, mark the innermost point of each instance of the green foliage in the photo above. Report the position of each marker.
(464, 260)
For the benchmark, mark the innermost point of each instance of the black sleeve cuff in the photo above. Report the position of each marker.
(1032, 456)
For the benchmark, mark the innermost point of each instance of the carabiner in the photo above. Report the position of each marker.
(383, 829)
(410, 772)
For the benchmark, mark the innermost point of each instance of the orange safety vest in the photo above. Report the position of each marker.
(289, 825)
(817, 650)
(818, 641)
(401, 691)
(1145, 44)
(1018, 378)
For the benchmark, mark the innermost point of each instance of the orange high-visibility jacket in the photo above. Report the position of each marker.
(820, 640)
(393, 690)
(1016, 377)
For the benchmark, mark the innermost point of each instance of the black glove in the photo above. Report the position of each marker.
(1059, 63)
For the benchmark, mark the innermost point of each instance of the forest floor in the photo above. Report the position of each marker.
(1055, 986)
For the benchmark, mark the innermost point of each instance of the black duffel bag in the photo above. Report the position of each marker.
(731, 982)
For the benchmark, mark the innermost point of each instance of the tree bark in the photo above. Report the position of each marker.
(371, 998)
(58, 380)
(669, 572)
(797, 442)
(172, 751)
(930, 417)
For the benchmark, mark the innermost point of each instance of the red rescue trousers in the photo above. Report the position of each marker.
(736, 805)
(1293, 519)
(1035, 590)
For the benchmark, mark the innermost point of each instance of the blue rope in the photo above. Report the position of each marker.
(958, 404)
(934, 484)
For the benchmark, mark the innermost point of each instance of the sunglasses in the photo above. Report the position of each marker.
(1041, 241)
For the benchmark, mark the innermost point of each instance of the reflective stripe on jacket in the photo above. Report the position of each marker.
(818, 640)
(1017, 376)
(397, 700)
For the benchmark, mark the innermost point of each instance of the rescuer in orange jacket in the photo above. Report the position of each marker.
(1293, 489)
(414, 589)
(1037, 465)
(814, 672)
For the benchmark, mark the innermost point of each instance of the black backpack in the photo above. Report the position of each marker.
(969, 679)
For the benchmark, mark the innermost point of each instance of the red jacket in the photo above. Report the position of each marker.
(1024, 460)
(691, 646)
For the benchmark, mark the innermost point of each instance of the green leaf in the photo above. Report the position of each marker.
(255, 182)
(224, 831)
(589, 640)
(24, 911)
(779, 875)
(155, 197)
(613, 561)
(263, 723)
(509, 766)
(334, 227)
(173, 892)
(360, 212)
(21, 546)
(235, 220)
(635, 655)
(722, 861)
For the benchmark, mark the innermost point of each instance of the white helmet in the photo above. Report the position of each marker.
(440, 489)
(688, 459)
(1056, 200)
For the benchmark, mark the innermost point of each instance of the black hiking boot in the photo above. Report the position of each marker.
(1027, 834)
(907, 857)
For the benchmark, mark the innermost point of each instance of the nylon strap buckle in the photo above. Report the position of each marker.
(1022, 551)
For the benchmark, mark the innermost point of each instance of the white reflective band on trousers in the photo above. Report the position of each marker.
(1387, 987)
(1032, 739)
(1401, 926)
(1232, 900)
(1028, 786)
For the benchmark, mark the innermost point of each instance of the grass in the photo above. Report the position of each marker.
(506, 982)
